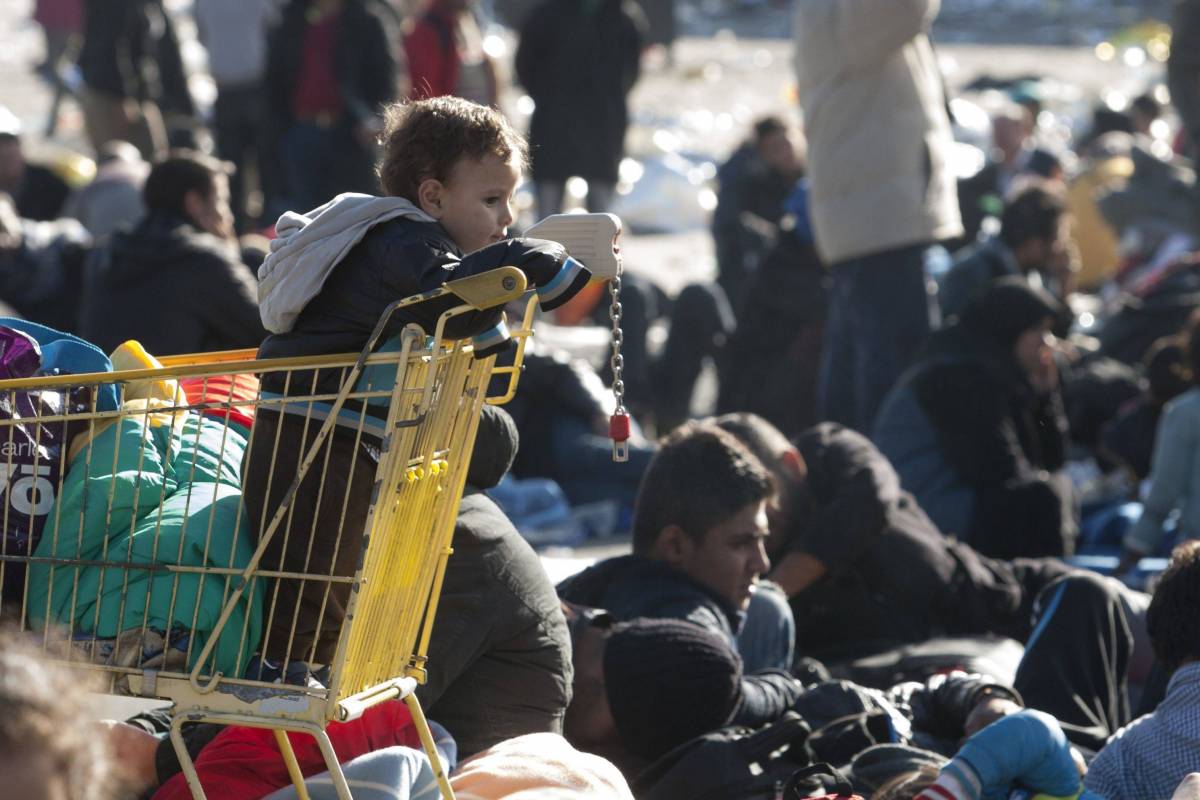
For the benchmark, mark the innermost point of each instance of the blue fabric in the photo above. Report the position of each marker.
(66, 353)
(880, 313)
(1103, 528)
(796, 205)
(393, 773)
(767, 639)
(1174, 476)
(1025, 750)
(1046, 616)
(904, 433)
(1151, 755)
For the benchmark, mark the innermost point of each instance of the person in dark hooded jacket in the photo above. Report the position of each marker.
(175, 282)
(500, 655)
(977, 432)
(579, 59)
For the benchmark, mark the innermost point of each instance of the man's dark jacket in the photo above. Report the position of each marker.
(171, 286)
(578, 60)
(365, 68)
(130, 50)
(968, 407)
(633, 587)
(893, 577)
(500, 656)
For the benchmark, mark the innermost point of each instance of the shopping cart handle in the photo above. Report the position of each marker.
(495, 287)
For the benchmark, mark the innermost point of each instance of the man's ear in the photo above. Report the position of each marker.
(194, 203)
(793, 464)
(672, 546)
(429, 197)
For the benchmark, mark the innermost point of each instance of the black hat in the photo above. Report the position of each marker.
(496, 444)
(669, 681)
(1008, 308)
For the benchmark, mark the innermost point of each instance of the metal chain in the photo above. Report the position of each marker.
(617, 361)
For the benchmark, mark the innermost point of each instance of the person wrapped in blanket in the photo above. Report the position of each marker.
(449, 172)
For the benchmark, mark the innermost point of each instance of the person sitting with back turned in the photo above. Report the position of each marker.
(867, 571)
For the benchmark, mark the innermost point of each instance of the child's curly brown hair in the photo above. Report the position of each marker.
(424, 139)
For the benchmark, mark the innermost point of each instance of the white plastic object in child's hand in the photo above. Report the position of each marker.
(592, 239)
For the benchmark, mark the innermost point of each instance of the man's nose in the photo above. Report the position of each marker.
(762, 562)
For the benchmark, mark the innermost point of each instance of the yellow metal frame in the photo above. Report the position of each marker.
(433, 415)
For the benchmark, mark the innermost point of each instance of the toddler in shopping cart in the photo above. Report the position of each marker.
(449, 172)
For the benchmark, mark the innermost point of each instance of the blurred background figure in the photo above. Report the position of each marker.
(331, 65)
(579, 59)
(883, 198)
(1183, 69)
(753, 183)
(444, 49)
(175, 281)
(234, 32)
(38, 191)
(113, 200)
(132, 74)
(62, 23)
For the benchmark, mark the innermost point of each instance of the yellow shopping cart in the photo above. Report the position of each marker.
(150, 573)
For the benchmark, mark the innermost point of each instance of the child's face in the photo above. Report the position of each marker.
(474, 205)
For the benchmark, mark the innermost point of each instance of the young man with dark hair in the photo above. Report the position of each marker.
(175, 282)
(1034, 237)
(1150, 756)
(699, 529)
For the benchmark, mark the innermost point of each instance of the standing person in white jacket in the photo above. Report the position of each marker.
(882, 198)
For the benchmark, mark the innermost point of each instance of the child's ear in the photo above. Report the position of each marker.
(429, 197)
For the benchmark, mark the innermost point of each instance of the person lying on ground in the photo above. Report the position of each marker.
(646, 686)
(867, 571)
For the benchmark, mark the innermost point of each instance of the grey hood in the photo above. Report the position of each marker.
(308, 246)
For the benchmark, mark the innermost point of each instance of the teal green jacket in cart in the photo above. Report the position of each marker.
(150, 494)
